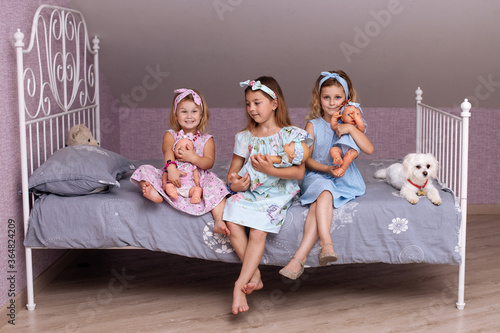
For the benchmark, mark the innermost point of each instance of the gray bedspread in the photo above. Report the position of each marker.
(377, 227)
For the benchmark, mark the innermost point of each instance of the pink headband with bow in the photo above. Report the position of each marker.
(185, 92)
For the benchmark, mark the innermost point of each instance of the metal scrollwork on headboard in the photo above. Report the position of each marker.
(63, 71)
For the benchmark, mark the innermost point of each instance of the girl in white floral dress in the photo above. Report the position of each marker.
(267, 131)
(188, 118)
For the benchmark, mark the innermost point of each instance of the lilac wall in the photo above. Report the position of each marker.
(392, 131)
(19, 14)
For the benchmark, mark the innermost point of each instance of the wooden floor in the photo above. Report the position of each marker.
(143, 291)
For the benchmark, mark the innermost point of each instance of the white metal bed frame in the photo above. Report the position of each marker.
(66, 80)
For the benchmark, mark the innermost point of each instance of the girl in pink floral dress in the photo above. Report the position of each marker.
(188, 118)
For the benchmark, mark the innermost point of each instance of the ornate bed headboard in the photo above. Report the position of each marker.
(58, 81)
(58, 87)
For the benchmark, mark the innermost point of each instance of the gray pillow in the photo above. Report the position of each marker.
(79, 170)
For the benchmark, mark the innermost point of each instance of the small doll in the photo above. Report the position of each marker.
(350, 113)
(190, 181)
(292, 153)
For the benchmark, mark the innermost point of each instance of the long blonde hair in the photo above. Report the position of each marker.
(316, 111)
(281, 112)
(205, 114)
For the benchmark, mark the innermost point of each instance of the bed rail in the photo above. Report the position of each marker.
(58, 87)
(447, 137)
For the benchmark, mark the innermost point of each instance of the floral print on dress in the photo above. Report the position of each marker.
(265, 207)
(214, 189)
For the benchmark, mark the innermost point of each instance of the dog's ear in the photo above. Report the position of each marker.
(408, 164)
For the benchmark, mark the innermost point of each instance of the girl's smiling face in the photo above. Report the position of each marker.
(188, 115)
(259, 107)
(332, 98)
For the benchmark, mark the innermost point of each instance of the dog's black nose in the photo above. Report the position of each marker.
(424, 173)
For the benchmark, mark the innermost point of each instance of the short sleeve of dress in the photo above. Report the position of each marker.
(241, 144)
(293, 133)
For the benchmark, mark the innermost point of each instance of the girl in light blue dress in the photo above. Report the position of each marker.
(321, 189)
(262, 211)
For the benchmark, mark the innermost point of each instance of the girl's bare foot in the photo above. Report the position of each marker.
(221, 228)
(149, 192)
(239, 300)
(255, 283)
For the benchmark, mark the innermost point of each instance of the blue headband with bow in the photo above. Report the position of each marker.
(356, 105)
(335, 76)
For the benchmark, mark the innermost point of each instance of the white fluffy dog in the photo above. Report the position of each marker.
(413, 177)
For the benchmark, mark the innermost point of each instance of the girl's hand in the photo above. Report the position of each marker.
(173, 176)
(186, 155)
(331, 170)
(343, 129)
(262, 163)
(239, 184)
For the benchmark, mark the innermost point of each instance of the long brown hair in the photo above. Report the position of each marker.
(281, 112)
(315, 105)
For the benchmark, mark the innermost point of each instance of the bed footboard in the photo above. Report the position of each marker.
(446, 136)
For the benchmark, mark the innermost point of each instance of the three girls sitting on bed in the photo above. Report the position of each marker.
(262, 191)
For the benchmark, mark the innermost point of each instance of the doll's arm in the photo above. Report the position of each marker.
(276, 159)
(334, 120)
(358, 119)
(263, 163)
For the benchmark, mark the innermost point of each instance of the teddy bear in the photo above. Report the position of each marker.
(80, 135)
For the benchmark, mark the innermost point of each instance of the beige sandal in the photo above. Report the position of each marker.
(326, 257)
(291, 275)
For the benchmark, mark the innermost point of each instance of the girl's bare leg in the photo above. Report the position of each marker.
(239, 240)
(324, 214)
(308, 240)
(149, 192)
(253, 255)
(220, 226)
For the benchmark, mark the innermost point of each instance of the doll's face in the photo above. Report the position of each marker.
(183, 144)
(349, 113)
(289, 149)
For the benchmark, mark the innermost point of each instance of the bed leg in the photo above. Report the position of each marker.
(461, 287)
(29, 280)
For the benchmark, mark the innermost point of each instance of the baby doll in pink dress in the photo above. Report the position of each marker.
(190, 181)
